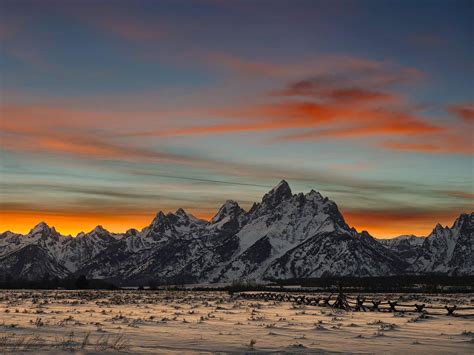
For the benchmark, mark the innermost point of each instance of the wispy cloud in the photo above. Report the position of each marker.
(435, 145)
(129, 28)
(356, 101)
(326, 69)
(427, 40)
(344, 98)
(463, 111)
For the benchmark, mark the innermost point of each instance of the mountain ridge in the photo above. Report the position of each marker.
(284, 236)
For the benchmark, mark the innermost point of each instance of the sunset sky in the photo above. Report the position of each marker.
(114, 110)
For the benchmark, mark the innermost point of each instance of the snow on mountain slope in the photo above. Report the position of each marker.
(448, 250)
(10, 242)
(68, 252)
(406, 246)
(284, 236)
(276, 225)
(339, 253)
(31, 262)
(408, 239)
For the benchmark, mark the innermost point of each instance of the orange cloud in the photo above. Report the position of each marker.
(352, 101)
(328, 90)
(463, 111)
(358, 94)
(259, 118)
(370, 123)
(362, 71)
(439, 145)
(81, 134)
(26, 117)
(90, 147)
(61, 115)
(40, 129)
(339, 120)
(460, 194)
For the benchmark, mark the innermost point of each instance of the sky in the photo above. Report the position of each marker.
(111, 111)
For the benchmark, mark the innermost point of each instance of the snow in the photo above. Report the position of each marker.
(169, 322)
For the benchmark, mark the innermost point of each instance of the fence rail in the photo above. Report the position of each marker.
(357, 304)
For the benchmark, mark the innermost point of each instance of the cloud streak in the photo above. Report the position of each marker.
(463, 111)
(357, 100)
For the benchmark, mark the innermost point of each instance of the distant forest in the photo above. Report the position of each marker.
(432, 283)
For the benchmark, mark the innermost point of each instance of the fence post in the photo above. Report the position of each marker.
(360, 304)
(376, 304)
(419, 307)
(326, 301)
(450, 309)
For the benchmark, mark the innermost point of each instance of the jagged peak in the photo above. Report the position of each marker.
(439, 230)
(160, 217)
(99, 230)
(230, 203)
(132, 231)
(463, 218)
(254, 207)
(229, 207)
(278, 193)
(172, 220)
(314, 195)
(42, 227)
(8, 233)
(184, 216)
(160, 222)
(281, 187)
(181, 212)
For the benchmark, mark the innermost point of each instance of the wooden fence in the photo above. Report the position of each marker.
(358, 304)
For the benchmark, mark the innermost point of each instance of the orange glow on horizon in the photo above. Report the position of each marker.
(69, 224)
(389, 225)
(379, 225)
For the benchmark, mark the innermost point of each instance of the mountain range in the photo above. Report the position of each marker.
(284, 236)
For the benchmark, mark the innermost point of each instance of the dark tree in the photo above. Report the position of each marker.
(152, 284)
(82, 282)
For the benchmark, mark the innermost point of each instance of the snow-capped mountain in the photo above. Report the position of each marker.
(284, 236)
(34, 255)
(407, 247)
(289, 236)
(448, 250)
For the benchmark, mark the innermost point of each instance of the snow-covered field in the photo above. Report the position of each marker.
(186, 322)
